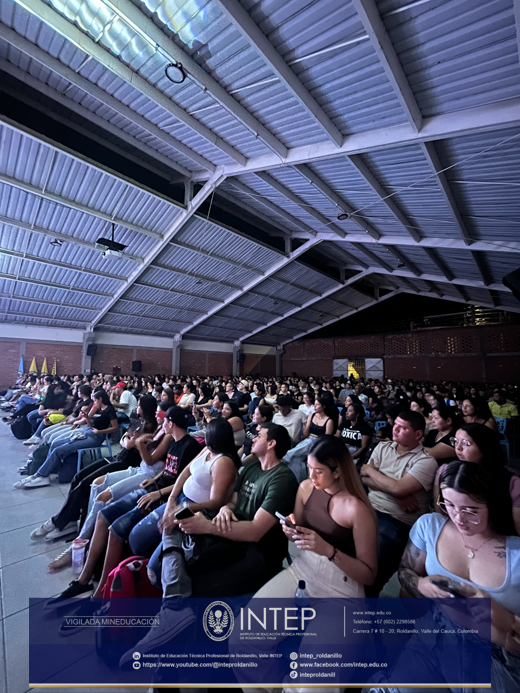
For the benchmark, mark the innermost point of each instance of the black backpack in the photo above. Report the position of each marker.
(21, 428)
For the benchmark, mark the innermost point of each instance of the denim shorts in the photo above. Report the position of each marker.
(123, 515)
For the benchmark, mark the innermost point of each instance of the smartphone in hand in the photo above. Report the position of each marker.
(184, 513)
(285, 520)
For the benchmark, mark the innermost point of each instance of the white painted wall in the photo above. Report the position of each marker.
(37, 333)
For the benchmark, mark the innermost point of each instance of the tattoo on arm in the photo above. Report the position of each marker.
(500, 551)
(411, 569)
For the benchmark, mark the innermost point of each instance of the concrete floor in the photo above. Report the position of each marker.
(23, 564)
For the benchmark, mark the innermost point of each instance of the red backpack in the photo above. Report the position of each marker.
(130, 580)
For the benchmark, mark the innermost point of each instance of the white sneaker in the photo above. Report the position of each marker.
(35, 481)
(21, 484)
(56, 533)
(33, 440)
(171, 623)
(43, 530)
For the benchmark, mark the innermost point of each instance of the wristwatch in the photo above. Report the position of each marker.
(334, 558)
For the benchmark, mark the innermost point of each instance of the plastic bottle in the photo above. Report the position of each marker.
(78, 555)
(301, 596)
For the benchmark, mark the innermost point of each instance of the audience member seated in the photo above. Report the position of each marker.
(355, 432)
(307, 406)
(500, 407)
(242, 397)
(476, 410)
(54, 403)
(336, 529)
(257, 400)
(123, 402)
(469, 544)
(422, 406)
(400, 477)
(231, 413)
(437, 442)
(263, 414)
(102, 421)
(479, 444)
(76, 503)
(289, 418)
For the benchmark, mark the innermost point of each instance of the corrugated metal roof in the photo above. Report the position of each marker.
(456, 54)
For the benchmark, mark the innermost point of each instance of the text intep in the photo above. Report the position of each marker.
(269, 621)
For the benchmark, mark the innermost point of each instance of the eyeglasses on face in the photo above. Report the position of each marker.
(465, 515)
(456, 441)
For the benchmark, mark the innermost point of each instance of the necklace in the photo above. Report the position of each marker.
(472, 552)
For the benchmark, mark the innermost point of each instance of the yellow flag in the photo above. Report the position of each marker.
(53, 372)
(45, 370)
(33, 368)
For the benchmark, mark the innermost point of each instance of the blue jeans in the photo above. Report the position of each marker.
(58, 453)
(393, 537)
(123, 515)
(23, 400)
(35, 419)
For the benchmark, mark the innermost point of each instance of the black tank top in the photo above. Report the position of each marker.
(316, 516)
(315, 430)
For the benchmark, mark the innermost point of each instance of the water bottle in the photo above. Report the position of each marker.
(301, 596)
(78, 555)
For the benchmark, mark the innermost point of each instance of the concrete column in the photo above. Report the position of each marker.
(176, 354)
(86, 361)
(237, 351)
(279, 353)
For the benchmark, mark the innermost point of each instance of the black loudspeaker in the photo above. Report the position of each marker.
(137, 366)
(241, 357)
(512, 281)
(92, 350)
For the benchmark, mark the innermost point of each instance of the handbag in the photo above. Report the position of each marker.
(206, 552)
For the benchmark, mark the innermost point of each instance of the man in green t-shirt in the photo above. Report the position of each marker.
(265, 486)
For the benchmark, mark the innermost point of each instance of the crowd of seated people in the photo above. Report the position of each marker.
(379, 480)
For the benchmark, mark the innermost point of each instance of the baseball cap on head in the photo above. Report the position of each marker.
(178, 416)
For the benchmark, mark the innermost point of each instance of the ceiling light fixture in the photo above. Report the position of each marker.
(109, 246)
(400, 264)
(57, 243)
(175, 73)
(343, 216)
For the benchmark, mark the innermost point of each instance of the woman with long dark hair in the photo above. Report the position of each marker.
(467, 546)
(476, 410)
(480, 445)
(335, 528)
(355, 432)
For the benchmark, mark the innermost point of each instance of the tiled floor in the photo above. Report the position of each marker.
(23, 564)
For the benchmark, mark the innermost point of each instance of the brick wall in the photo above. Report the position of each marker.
(9, 363)
(109, 356)
(490, 353)
(155, 361)
(205, 362)
(68, 356)
(256, 364)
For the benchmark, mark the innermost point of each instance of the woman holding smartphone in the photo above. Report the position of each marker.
(467, 549)
(334, 526)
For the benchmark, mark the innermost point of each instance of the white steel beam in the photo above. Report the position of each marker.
(12, 314)
(194, 275)
(82, 41)
(342, 205)
(278, 265)
(55, 304)
(503, 114)
(62, 237)
(58, 199)
(272, 206)
(98, 121)
(140, 23)
(221, 258)
(402, 259)
(433, 160)
(158, 304)
(169, 235)
(371, 255)
(320, 218)
(274, 61)
(516, 5)
(389, 203)
(53, 64)
(56, 263)
(485, 304)
(435, 243)
(52, 285)
(150, 285)
(307, 304)
(244, 210)
(448, 274)
(341, 317)
(457, 281)
(369, 16)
